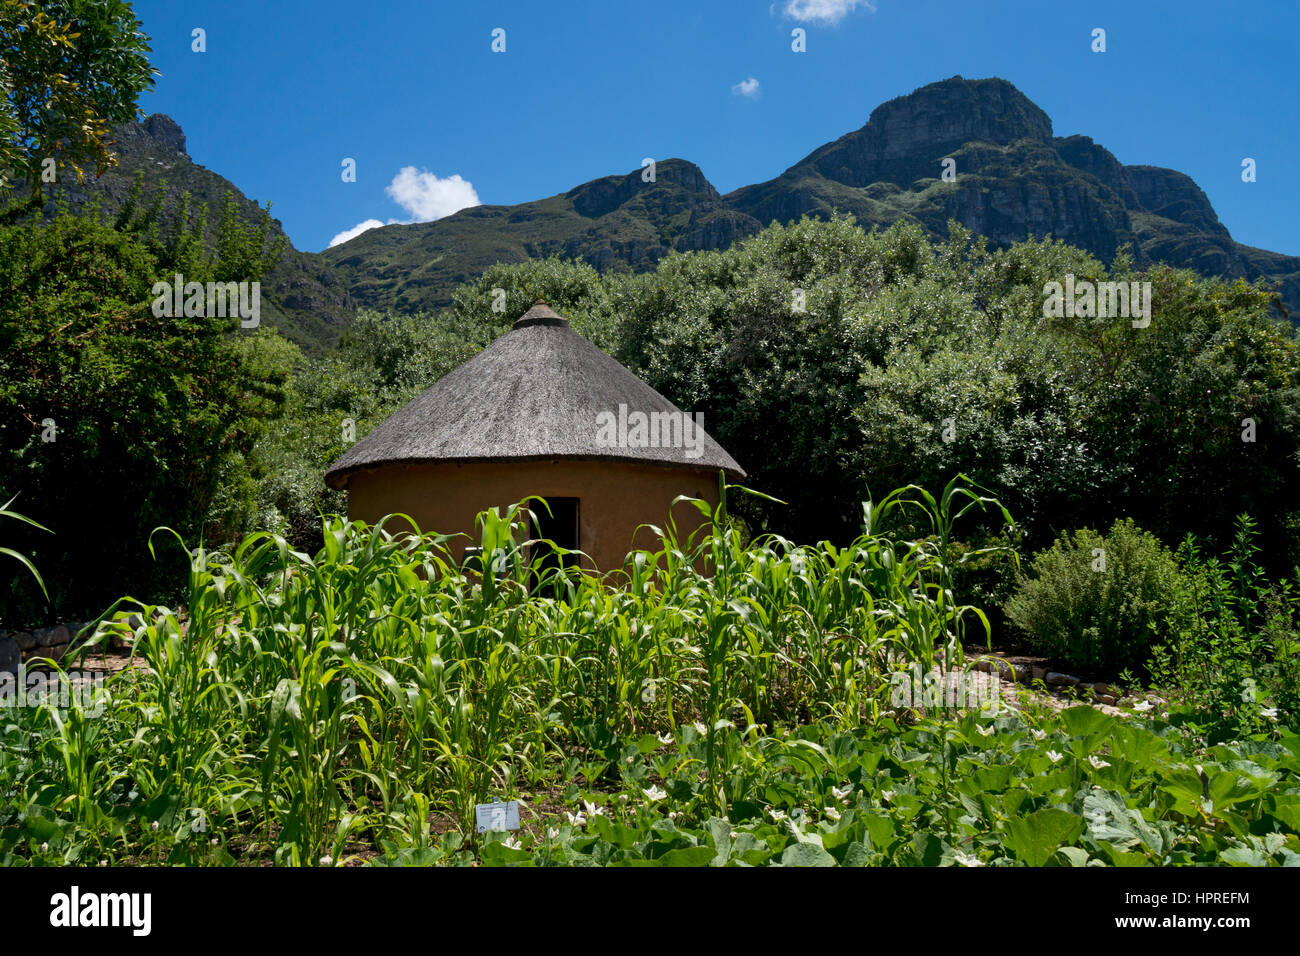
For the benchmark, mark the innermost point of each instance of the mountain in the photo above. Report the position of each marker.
(301, 297)
(1014, 179)
(617, 223)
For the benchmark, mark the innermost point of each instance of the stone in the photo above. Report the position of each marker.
(1039, 673)
(10, 656)
(1106, 690)
(54, 652)
(58, 634)
(26, 640)
(1108, 699)
(1057, 679)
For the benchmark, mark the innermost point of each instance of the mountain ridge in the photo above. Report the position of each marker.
(1014, 178)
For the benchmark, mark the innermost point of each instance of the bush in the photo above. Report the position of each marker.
(1235, 658)
(1094, 602)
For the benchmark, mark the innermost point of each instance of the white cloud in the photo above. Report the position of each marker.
(747, 87)
(426, 197)
(355, 231)
(423, 195)
(824, 12)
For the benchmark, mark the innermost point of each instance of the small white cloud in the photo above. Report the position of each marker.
(824, 12)
(423, 195)
(747, 87)
(355, 231)
(426, 197)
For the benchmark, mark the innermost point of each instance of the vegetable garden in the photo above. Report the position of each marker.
(723, 702)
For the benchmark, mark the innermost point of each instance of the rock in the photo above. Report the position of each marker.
(1057, 679)
(58, 634)
(1039, 673)
(26, 640)
(55, 652)
(1108, 699)
(10, 656)
(1106, 690)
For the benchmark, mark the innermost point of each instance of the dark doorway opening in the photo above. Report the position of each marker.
(559, 525)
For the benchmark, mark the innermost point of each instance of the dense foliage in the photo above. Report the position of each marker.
(113, 420)
(69, 70)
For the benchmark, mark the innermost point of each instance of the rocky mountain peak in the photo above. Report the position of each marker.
(906, 137)
(957, 110)
(602, 196)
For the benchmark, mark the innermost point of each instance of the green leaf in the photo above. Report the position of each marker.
(806, 854)
(1084, 721)
(1036, 837)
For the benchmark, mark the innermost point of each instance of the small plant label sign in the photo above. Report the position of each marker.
(497, 815)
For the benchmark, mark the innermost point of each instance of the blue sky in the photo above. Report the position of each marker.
(287, 89)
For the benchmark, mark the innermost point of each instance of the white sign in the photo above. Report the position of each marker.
(497, 815)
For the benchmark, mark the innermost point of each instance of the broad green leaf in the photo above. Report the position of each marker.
(1034, 838)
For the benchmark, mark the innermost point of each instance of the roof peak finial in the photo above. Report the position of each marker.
(540, 314)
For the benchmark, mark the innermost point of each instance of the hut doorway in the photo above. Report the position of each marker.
(561, 526)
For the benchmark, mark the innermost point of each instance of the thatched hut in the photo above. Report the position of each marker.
(540, 411)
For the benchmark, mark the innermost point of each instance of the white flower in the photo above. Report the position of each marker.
(700, 729)
(592, 809)
(887, 794)
(1142, 706)
(986, 731)
(552, 833)
(831, 812)
(154, 825)
(673, 815)
(966, 859)
(654, 793)
(842, 794)
(511, 842)
(629, 761)
(327, 860)
(214, 841)
(1038, 734)
(576, 819)
(1053, 756)
(45, 848)
(776, 815)
(665, 739)
(1097, 762)
(1269, 712)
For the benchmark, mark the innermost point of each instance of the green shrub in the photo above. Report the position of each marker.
(1235, 658)
(1093, 602)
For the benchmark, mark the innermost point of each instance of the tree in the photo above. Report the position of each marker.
(114, 420)
(69, 69)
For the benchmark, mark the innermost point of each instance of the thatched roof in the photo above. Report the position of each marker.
(536, 393)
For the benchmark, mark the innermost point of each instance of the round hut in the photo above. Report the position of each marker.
(540, 411)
